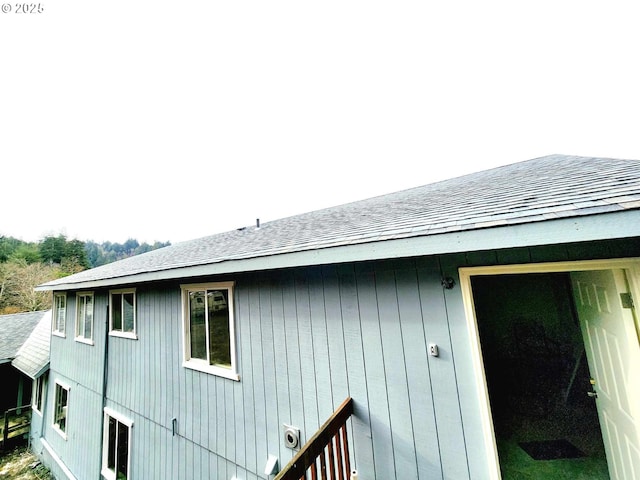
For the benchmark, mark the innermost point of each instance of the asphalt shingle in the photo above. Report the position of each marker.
(33, 356)
(14, 331)
(556, 186)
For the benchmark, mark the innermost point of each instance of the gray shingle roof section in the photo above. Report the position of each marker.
(33, 356)
(538, 190)
(14, 331)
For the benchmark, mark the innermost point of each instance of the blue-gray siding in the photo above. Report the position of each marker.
(307, 338)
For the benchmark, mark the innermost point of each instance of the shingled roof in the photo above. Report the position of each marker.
(32, 358)
(14, 331)
(545, 189)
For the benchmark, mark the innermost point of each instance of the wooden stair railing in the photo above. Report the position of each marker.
(326, 453)
(16, 422)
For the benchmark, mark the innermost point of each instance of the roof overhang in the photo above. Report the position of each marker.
(33, 374)
(622, 224)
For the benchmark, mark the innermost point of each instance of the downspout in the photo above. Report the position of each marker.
(105, 377)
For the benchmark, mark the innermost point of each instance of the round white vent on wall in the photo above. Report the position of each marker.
(291, 437)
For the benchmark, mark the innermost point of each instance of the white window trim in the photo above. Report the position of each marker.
(54, 316)
(62, 433)
(108, 412)
(199, 364)
(34, 404)
(80, 338)
(117, 333)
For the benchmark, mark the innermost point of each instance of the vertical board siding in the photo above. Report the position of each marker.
(356, 374)
(374, 365)
(240, 428)
(400, 419)
(67, 353)
(307, 360)
(296, 415)
(80, 367)
(415, 317)
(84, 419)
(245, 307)
(335, 337)
(269, 368)
(444, 372)
(317, 312)
(258, 373)
(281, 375)
(306, 339)
(464, 370)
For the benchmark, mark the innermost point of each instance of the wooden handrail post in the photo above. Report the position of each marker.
(5, 430)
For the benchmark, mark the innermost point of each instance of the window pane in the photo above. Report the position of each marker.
(219, 338)
(61, 408)
(123, 451)
(128, 312)
(38, 393)
(116, 311)
(197, 325)
(61, 307)
(111, 452)
(88, 316)
(79, 315)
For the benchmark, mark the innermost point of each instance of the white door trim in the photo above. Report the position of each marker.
(632, 265)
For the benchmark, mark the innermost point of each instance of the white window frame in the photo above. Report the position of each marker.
(199, 364)
(39, 391)
(121, 333)
(81, 302)
(56, 426)
(106, 472)
(59, 321)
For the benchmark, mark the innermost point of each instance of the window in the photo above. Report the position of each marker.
(59, 313)
(39, 391)
(122, 318)
(84, 317)
(115, 446)
(209, 339)
(60, 412)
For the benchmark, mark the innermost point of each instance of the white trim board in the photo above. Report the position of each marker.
(54, 456)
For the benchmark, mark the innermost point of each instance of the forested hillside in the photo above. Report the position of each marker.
(23, 265)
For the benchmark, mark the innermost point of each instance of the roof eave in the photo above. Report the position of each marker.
(31, 374)
(612, 225)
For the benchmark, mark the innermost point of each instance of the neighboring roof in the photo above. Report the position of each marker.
(435, 218)
(33, 357)
(14, 331)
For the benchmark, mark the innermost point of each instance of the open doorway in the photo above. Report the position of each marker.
(545, 422)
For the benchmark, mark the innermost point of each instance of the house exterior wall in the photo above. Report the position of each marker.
(306, 339)
(36, 429)
(79, 367)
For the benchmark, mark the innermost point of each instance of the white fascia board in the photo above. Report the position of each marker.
(607, 226)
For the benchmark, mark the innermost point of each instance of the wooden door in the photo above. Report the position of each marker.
(613, 353)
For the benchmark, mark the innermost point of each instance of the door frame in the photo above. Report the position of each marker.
(631, 266)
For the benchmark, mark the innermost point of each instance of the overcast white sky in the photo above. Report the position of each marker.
(168, 121)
